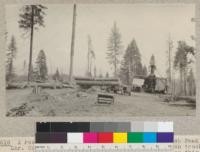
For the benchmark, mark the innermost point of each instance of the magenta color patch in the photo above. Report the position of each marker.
(90, 137)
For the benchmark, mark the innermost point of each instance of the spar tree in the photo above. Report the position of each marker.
(11, 55)
(31, 18)
(114, 48)
(41, 69)
(90, 58)
(152, 65)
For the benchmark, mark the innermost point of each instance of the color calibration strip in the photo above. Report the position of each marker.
(104, 132)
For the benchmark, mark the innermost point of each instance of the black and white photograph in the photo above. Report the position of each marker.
(100, 60)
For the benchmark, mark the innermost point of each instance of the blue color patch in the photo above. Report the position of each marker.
(149, 137)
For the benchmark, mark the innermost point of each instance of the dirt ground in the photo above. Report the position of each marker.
(73, 102)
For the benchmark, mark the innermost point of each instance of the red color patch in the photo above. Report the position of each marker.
(105, 137)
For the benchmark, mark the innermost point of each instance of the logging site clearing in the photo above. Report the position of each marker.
(83, 102)
(140, 67)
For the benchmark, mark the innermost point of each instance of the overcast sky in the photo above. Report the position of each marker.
(148, 24)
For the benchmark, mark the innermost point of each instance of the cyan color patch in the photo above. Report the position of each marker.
(149, 137)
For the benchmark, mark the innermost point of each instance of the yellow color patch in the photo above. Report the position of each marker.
(120, 137)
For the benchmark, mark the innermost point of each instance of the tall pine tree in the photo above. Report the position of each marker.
(41, 66)
(131, 65)
(152, 64)
(56, 76)
(11, 54)
(30, 19)
(191, 83)
(114, 48)
(181, 63)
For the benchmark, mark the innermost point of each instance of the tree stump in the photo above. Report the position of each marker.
(36, 90)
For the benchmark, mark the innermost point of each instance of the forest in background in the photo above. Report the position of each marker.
(125, 60)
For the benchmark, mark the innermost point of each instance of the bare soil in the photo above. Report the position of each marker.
(76, 102)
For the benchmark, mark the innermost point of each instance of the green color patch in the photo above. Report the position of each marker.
(135, 137)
